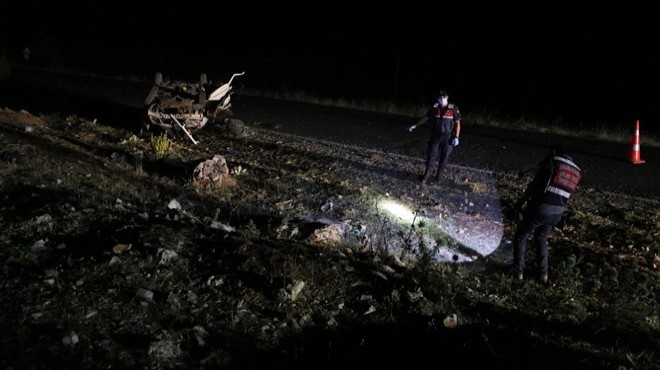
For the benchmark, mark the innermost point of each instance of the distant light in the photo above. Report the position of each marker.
(398, 210)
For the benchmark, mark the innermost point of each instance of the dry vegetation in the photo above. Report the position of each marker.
(101, 269)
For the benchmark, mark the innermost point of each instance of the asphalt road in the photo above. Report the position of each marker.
(605, 164)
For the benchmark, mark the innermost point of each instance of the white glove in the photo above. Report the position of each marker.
(454, 141)
(411, 128)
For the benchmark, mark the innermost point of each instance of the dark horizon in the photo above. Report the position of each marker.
(601, 72)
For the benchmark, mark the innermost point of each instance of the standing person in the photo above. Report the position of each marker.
(557, 177)
(445, 125)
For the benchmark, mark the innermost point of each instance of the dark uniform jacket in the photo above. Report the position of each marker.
(556, 179)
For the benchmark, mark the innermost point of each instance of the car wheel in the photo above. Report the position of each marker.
(151, 96)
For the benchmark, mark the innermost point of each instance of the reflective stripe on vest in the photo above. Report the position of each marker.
(567, 161)
(558, 191)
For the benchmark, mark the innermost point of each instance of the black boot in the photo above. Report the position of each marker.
(425, 176)
(437, 173)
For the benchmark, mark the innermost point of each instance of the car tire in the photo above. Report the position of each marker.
(151, 95)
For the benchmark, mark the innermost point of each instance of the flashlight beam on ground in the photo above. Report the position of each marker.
(477, 230)
(398, 210)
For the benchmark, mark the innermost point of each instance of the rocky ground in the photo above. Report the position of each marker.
(307, 254)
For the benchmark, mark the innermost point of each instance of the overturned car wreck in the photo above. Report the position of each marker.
(177, 106)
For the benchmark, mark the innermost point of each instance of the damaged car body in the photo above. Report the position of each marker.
(181, 106)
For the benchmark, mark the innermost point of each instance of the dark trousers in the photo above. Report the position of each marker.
(438, 149)
(540, 222)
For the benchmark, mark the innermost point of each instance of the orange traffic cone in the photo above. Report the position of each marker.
(634, 154)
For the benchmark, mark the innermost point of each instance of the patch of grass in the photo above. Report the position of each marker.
(250, 230)
(160, 146)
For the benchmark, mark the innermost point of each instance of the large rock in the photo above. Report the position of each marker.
(213, 171)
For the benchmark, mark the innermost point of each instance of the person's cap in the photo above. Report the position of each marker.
(443, 93)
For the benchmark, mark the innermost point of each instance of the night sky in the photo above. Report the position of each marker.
(594, 66)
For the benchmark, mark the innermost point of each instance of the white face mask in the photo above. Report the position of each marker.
(443, 101)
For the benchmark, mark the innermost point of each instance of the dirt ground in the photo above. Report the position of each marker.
(114, 257)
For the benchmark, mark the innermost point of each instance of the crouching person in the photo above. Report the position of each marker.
(557, 177)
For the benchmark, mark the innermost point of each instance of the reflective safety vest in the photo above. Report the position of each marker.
(565, 177)
(444, 118)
